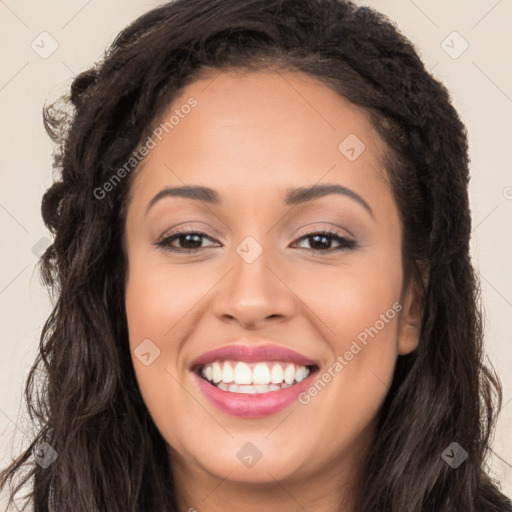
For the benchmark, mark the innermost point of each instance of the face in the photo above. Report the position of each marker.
(301, 293)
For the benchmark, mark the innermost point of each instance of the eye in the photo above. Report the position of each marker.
(322, 241)
(188, 239)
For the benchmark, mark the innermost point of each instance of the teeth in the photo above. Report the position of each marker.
(289, 374)
(261, 374)
(301, 373)
(243, 374)
(276, 374)
(250, 390)
(216, 372)
(227, 374)
(261, 377)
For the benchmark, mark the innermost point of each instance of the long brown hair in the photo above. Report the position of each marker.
(88, 407)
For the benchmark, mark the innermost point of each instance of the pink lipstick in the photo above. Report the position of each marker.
(252, 381)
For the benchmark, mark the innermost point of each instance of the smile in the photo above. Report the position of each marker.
(252, 380)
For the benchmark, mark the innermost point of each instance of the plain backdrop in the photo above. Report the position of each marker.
(43, 44)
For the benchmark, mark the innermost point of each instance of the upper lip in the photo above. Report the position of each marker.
(262, 351)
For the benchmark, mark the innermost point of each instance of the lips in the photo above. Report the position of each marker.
(261, 397)
(252, 354)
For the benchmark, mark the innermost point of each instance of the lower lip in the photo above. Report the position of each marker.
(253, 405)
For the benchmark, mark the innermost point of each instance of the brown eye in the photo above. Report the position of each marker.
(186, 241)
(322, 241)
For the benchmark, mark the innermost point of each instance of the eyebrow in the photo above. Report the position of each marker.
(293, 196)
(304, 194)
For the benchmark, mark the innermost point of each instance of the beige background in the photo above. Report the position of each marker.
(480, 80)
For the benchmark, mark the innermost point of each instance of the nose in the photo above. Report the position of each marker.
(254, 294)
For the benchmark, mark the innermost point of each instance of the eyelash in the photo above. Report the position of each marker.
(345, 243)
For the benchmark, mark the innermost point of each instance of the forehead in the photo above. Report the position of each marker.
(261, 132)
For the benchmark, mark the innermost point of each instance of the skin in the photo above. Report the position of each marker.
(252, 136)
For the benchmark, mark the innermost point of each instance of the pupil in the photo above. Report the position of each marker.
(185, 237)
(315, 238)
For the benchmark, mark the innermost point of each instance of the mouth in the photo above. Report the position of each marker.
(253, 378)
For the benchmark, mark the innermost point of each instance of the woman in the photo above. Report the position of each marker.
(210, 347)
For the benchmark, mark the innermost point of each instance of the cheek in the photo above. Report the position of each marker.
(156, 297)
(359, 310)
(349, 298)
(153, 313)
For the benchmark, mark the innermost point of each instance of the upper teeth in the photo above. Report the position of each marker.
(254, 373)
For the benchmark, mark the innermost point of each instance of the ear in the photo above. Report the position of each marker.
(410, 320)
